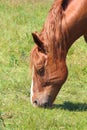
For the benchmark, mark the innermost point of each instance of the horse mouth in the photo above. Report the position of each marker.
(45, 103)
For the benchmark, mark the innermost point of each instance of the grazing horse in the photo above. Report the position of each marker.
(65, 23)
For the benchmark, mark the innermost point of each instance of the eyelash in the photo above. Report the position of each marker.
(41, 71)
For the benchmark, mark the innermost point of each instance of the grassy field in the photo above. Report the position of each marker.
(18, 18)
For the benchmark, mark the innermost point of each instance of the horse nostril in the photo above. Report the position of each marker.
(35, 102)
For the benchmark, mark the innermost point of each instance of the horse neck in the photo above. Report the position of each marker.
(63, 27)
(76, 21)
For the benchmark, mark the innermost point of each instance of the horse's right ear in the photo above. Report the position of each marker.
(37, 40)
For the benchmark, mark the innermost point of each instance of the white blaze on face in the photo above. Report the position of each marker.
(31, 94)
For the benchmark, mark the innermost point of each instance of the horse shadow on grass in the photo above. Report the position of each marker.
(70, 106)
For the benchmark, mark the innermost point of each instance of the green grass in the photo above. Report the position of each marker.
(17, 20)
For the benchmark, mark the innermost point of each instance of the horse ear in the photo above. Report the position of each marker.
(38, 41)
(85, 37)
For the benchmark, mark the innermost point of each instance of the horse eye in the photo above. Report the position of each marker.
(41, 71)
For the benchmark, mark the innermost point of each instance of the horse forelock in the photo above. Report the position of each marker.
(37, 58)
(33, 56)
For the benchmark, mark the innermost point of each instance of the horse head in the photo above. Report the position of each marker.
(48, 74)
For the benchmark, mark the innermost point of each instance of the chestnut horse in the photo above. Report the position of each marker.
(65, 23)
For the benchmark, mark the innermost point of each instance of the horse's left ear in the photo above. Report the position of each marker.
(38, 41)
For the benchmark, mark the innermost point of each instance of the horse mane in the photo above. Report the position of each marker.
(53, 34)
